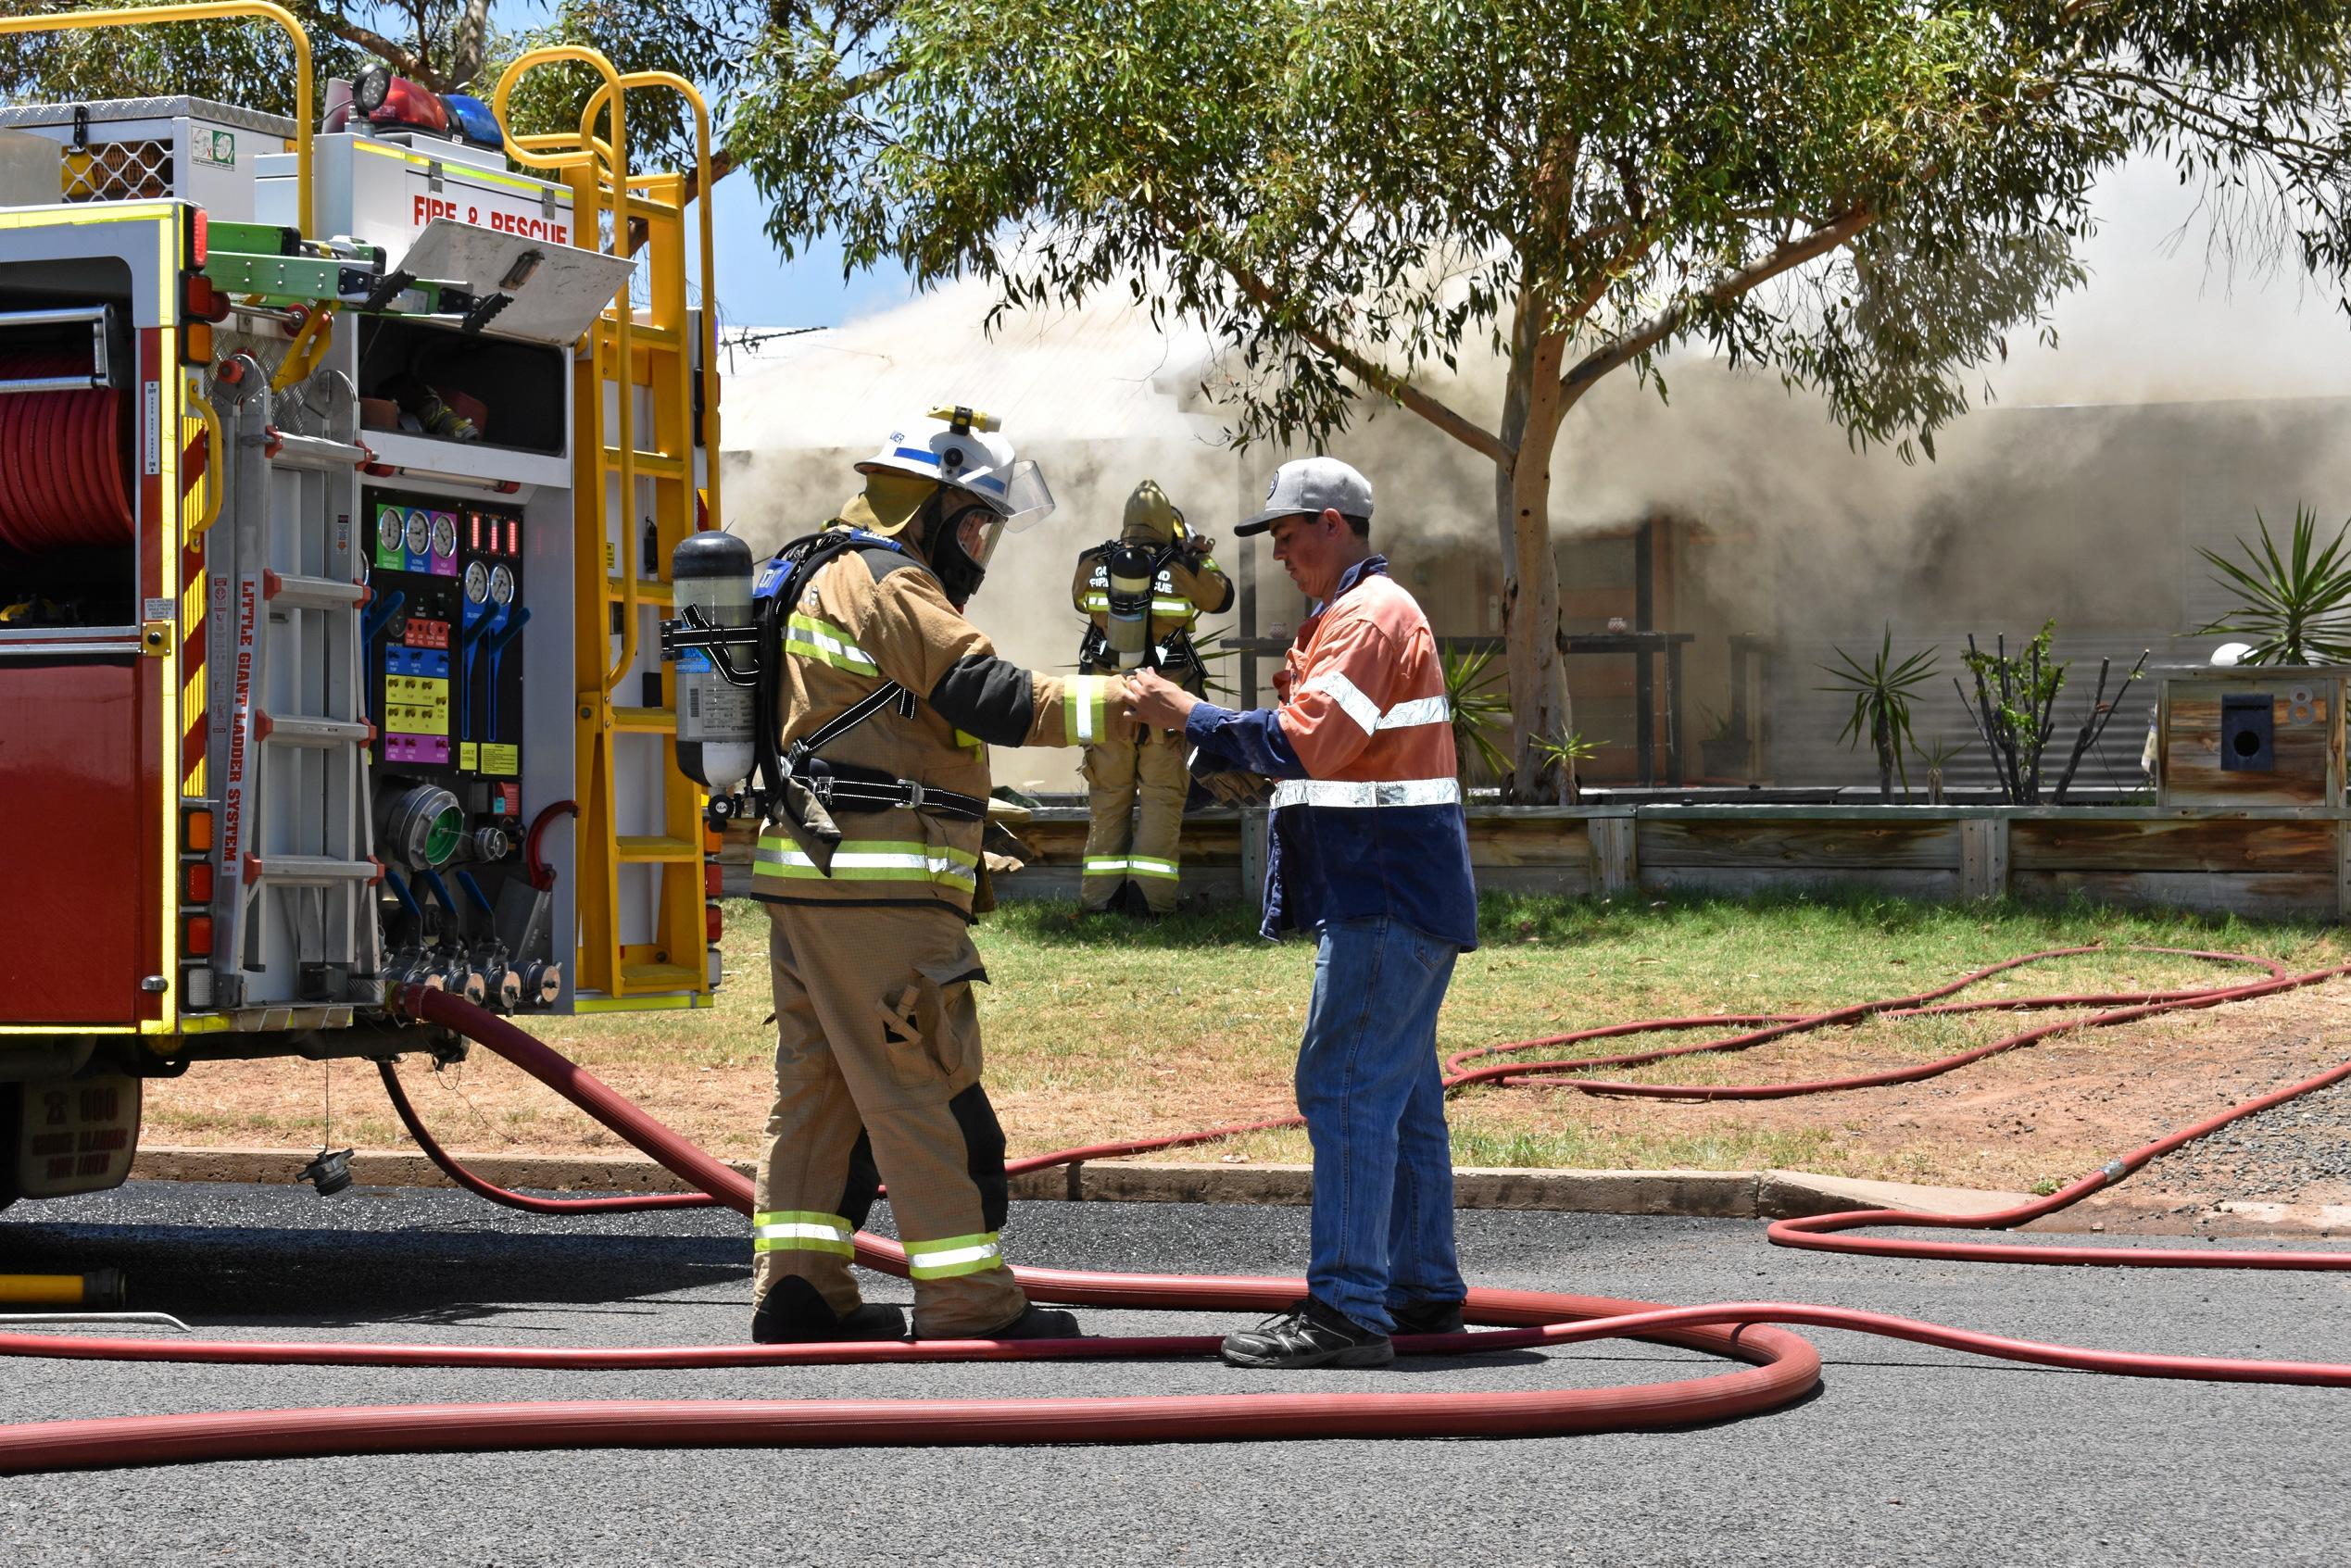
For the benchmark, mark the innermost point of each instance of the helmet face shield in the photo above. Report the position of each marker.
(1026, 499)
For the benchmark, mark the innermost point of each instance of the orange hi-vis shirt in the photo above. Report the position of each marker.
(1367, 820)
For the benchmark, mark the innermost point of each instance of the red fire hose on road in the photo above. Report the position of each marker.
(1784, 1366)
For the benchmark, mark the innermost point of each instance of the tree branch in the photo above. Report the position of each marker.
(722, 165)
(1658, 328)
(402, 60)
(471, 39)
(1379, 377)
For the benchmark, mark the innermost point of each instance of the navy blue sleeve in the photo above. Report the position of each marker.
(1251, 741)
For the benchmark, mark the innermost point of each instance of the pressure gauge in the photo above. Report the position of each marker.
(502, 585)
(477, 581)
(444, 534)
(390, 524)
(420, 531)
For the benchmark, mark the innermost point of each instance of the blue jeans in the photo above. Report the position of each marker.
(1382, 1231)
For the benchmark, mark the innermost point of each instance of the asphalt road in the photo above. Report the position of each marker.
(1908, 1456)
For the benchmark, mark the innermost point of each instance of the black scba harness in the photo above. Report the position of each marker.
(839, 786)
(1175, 657)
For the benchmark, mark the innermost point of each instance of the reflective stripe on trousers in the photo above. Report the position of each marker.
(1130, 865)
(797, 1230)
(955, 1255)
(1352, 793)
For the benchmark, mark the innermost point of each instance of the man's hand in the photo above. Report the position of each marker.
(1154, 699)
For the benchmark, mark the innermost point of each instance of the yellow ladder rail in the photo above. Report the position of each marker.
(641, 470)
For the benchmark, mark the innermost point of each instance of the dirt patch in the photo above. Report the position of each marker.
(2037, 1116)
(2034, 1117)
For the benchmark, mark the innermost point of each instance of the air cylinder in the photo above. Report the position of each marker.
(711, 573)
(1131, 571)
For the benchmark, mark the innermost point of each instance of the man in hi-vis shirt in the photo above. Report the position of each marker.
(1368, 850)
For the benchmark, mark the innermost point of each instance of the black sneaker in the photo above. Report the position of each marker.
(1034, 1323)
(1310, 1334)
(1427, 1317)
(792, 1313)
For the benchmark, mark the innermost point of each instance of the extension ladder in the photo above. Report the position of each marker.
(294, 907)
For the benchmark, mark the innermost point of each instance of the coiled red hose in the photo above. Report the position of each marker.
(1784, 1366)
(62, 463)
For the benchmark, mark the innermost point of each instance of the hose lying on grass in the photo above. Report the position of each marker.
(1783, 1367)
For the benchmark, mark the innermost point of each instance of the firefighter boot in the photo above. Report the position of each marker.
(793, 1313)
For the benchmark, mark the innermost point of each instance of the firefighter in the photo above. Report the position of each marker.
(888, 700)
(1144, 589)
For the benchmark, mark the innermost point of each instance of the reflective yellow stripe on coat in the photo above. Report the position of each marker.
(778, 862)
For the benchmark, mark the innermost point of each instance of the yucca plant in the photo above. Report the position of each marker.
(1882, 692)
(1564, 753)
(2293, 607)
(1477, 693)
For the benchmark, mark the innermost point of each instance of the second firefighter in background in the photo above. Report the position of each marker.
(1143, 594)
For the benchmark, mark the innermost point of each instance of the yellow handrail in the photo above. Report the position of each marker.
(207, 10)
(616, 170)
(702, 181)
(216, 478)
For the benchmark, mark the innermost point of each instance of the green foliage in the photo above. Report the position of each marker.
(1478, 697)
(246, 63)
(1881, 691)
(1355, 194)
(1564, 748)
(2291, 606)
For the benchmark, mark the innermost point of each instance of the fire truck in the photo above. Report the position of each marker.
(341, 459)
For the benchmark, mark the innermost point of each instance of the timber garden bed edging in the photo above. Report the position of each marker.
(2274, 861)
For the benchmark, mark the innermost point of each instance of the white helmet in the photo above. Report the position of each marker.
(961, 450)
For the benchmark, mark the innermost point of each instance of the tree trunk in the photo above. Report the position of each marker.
(1532, 408)
(1880, 734)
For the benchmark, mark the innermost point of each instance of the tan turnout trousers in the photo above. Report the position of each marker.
(876, 1027)
(1135, 791)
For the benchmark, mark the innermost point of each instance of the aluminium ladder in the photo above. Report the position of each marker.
(293, 899)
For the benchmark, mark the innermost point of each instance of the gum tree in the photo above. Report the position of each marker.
(1395, 199)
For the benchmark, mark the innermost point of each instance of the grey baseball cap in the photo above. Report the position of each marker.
(1311, 486)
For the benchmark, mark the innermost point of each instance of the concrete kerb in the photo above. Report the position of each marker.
(1729, 1194)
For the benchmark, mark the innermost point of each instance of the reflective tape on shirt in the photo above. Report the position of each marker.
(955, 1255)
(1349, 697)
(827, 644)
(796, 1230)
(1420, 710)
(1366, 713)
(1084, 720)
(870, 859)
(1349, 794)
